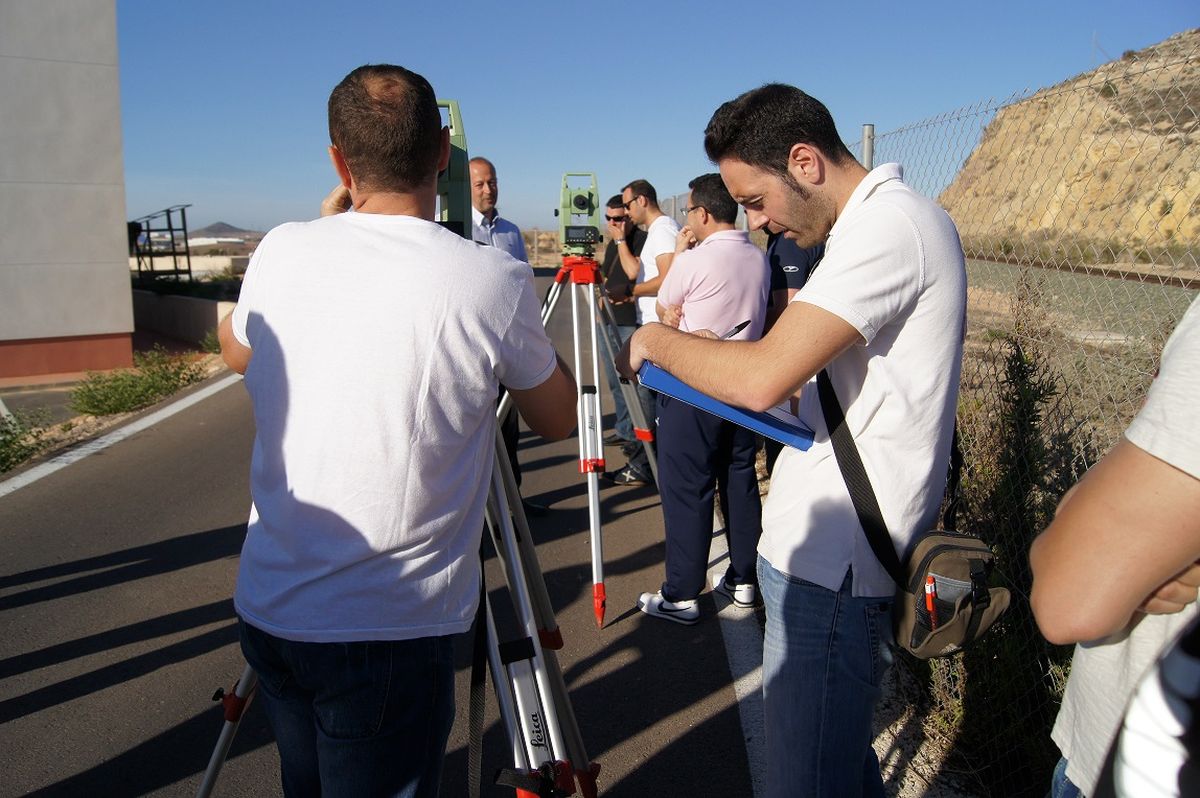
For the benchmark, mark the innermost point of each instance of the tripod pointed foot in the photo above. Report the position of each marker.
(598, 603)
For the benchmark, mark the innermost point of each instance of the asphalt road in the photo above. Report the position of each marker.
(116, 577)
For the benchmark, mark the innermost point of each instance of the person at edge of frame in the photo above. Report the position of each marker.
(883, 314)
(372, 456)
(490, 228)
(1116, 572)
(618, 288)
(640, 199)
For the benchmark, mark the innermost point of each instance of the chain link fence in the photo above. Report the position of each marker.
(1077, 206)
(1077, 209)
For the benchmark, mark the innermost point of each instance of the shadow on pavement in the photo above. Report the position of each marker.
(163, 625)
(117, 673)
(124, 566)
(165, 759)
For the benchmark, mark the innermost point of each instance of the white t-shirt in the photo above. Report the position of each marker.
(378, 345)
(1104, 674)
(893, 269)
(660, 240)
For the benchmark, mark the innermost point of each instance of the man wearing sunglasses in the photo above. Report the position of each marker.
(617, 287)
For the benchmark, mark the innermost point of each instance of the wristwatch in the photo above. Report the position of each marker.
(618, 241)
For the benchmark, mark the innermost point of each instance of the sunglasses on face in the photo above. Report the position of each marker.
(617, 219)
(626, 205)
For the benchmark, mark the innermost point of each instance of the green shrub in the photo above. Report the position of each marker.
(211, 343)
(218, 287)
(157, 374)
(21, 437)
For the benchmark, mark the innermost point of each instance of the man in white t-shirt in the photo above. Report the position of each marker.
(883, 314)
(374, 406)
(1117, 570)
(646, 272)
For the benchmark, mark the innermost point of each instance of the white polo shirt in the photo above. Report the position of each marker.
(893, 269)
(660, 240)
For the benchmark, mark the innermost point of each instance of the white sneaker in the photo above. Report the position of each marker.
(685, 612)
(741, 595)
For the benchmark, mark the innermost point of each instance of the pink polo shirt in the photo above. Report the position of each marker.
(720, 283)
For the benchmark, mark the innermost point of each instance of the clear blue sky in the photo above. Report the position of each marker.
(223, 103)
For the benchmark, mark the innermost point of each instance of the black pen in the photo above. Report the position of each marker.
(736, 330)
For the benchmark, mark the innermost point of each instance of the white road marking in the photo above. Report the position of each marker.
(99, 444)
(744, 650)
(4, 410)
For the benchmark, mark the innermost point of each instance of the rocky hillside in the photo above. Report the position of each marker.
(1102, 168)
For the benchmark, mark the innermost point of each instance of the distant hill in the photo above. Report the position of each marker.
(1101, 167)
(223, 230)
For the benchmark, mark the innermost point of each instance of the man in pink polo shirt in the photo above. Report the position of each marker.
(717, 281)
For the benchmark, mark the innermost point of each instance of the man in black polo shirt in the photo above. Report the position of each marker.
(618, 288)
(790, 266)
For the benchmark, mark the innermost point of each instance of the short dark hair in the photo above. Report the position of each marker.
(642, 188)
(615, 201)
(759, 128)
(385, 121)
(709, 192)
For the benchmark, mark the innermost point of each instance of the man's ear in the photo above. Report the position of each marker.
(339, 165)
(805, 164)
(444, 151)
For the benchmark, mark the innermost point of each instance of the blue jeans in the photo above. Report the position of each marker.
(624, 425)
(824, 656)
(1060, 785)
(351, 719)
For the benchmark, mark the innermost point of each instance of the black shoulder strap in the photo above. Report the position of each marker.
(851, 465)
(950, 517)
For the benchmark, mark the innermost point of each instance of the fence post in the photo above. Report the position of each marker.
(868, 146)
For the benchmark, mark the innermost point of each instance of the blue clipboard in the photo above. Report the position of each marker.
(775, 424)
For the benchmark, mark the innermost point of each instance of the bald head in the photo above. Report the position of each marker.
(485, 189)
(385, 121)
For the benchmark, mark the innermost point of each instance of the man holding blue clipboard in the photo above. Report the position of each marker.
(883, 314)
(718, 280)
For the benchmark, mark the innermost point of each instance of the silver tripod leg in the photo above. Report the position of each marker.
(528, 671)
(235, 706)
(641, 424)
(543, 610)
(591, 447)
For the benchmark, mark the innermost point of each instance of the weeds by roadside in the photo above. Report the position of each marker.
(21, 437)
(156, 374)
(211, 343)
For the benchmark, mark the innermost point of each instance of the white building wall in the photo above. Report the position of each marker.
(63, 246)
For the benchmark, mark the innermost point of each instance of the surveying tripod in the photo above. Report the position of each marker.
(641, 426)
(548, 754)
